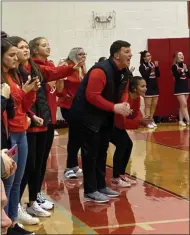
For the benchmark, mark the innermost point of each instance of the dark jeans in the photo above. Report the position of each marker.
(124, 146)
(65, 114)
(12, 184)
(32, 174)
(73, 144)
(94, 147)
(48, 145)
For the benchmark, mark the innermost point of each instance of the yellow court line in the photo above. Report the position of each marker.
(142, 224)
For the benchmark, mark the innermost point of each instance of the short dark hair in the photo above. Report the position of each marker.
(101, 59)
(133, 83)
(117, 45)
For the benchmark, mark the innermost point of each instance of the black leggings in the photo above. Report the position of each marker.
(73, 144)
(48, 145)
(33, 169)
(124, 145)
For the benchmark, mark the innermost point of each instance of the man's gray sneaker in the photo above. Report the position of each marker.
(96, 197)
(109, 192)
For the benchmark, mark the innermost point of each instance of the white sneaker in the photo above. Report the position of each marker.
(120, 183)
(69, 174)
(154, 124)
(56, 133)
(36, 210)
(150, 126)
(181, 123)
(129, 180)
(78, 172)
(44, 203)
(25, 218)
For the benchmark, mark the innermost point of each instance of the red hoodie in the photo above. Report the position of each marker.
(23, 101)
(71, 85)
(50, 73)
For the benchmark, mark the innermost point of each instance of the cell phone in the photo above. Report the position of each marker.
(13, 151)
(32, 80)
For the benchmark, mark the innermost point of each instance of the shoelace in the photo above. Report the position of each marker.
(41, 199)
(37, 207)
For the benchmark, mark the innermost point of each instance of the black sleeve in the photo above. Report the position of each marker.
(157, 72)
(187, 73)
(145, 73)
(3, 104)
(175, 72)
(10, 108)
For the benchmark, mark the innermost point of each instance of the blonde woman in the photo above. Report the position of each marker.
(181, 90)
(71, 84)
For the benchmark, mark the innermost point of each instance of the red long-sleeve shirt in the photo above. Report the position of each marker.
(71, 85)
(23, 101)
(52, 73)
(96, 84)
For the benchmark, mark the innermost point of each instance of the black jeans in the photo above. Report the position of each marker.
(32, 174)
(124, 145)
(94, 147)
(48, 145)
(73, 144)
(65, 113)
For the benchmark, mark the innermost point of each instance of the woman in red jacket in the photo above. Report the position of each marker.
(40, 51)
(120, 138)
(71, 85)
(24, 96)
(37, 132)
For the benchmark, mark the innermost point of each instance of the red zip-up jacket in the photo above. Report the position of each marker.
(71, 85)
(50, 73)
(22, 101)
(51, 93)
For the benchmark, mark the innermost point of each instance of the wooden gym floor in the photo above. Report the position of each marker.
(158, 204)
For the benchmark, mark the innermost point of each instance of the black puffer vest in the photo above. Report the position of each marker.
(87, 114)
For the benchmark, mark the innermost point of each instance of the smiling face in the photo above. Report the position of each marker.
(43, 48)
(180, 57)
(141, 88)
(9, 58)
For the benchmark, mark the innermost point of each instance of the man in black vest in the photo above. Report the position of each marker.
(92, 116)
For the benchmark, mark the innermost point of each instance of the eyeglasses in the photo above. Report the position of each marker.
(82, 54)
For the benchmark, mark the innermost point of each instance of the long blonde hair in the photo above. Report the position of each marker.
(72, 57)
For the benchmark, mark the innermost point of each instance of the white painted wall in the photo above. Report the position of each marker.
(69, 24)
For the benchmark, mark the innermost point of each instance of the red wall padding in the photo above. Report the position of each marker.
(162, 50)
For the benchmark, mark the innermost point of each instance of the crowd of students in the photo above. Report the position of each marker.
(98, 104)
